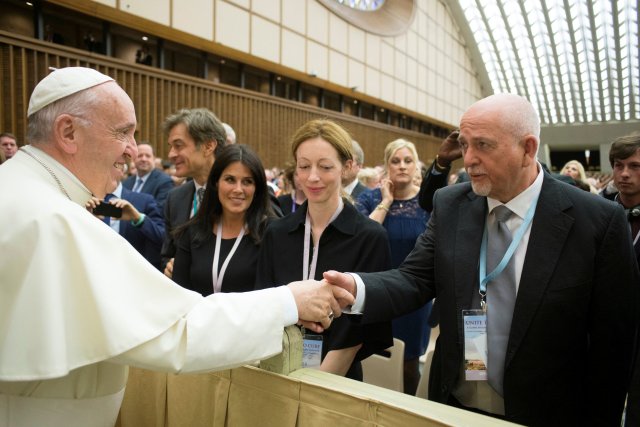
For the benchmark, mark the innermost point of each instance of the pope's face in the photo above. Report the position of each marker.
(106, 140)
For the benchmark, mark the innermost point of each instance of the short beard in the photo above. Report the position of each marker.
(481, 189)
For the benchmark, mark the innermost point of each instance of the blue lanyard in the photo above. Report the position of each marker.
(484, 278)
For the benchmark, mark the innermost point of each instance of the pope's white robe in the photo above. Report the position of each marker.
(78, 304)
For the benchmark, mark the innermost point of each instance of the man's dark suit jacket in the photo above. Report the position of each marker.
(177, 210)
(148, 237)
(158, 184)
(632, 418)
(430, 184)
(357, 190)
(570, 347)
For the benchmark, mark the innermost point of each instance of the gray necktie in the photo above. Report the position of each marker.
(138, 185)
(501, 298)
(200, 196)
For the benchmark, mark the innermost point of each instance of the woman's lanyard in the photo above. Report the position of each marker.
(484, 278)
(217, 279)
(293, 201)
(309, 271)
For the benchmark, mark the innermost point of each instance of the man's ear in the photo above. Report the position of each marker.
(530, 145)
(348, 165)
(65, 132)
(209, 147)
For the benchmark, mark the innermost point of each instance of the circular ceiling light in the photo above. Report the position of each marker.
(383, 17)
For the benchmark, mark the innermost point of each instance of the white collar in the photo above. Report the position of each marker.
(520, 204)
(118, 191)
(75, 189)
(349, 187)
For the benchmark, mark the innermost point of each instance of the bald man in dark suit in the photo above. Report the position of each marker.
(569, 346)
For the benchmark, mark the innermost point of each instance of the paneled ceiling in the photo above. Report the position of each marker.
(577, 61)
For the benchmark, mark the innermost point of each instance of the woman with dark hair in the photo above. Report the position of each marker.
(327, 233)
(218, 247)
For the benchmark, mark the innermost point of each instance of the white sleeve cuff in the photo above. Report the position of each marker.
(289, 307)
(358, 305)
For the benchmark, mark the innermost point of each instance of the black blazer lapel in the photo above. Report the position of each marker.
(467, 248)
(549, 232)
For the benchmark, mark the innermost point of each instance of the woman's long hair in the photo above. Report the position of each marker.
(210, 211)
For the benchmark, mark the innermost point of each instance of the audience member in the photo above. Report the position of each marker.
(291, 202)
(225, 234)
(270, 176)
(369, 177)
(231, 134)
(78, 303)
(575, 170)
(350, 182)
(141, 223)
(395, 206)
(327, 232)
(9, 144)
(195, 137)
(418, 174)
(436, 176)
(148, 178)
(624, 157)
(561, 324)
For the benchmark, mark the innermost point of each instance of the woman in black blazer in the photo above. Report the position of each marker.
(326, 233)
(218, 247)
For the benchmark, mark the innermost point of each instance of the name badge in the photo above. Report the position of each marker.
(475, 345)
(311, 351)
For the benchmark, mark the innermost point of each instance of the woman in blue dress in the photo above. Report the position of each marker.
(395, 206)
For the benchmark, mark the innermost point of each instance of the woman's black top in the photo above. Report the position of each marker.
(192, 268)
(351, 243)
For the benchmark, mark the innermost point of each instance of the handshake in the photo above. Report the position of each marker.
(319, 302)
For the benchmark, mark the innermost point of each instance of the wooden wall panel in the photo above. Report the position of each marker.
(264, 122)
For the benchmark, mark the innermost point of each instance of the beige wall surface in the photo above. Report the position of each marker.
(426, 69)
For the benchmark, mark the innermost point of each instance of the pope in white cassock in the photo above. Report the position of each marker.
(77, 302)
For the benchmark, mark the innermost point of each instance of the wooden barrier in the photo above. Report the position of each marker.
(249, 396)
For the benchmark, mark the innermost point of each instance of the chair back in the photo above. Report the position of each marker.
(423, 385)
(384, 371)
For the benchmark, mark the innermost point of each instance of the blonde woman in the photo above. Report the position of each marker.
(327, 233)
(395, 206)
(575, 170)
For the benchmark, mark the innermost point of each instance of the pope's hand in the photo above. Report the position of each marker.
(318, 303)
